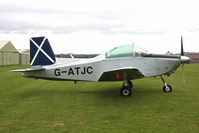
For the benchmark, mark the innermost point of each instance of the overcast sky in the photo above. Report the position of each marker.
(94, 26)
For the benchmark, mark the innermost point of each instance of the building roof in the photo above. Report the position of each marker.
(24, 51)
(3, 43)
(7, 46)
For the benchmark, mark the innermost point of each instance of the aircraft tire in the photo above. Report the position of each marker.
(168, 89)
(125, 91)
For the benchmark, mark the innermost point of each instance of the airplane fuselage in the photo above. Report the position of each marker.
(92, 69)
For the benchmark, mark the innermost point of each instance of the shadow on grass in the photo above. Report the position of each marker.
(101, 92)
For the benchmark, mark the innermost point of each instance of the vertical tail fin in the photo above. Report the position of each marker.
(41, 52)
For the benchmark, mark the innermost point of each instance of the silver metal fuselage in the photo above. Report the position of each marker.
(92, 69)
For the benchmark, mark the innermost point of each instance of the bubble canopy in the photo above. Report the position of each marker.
(126, 51)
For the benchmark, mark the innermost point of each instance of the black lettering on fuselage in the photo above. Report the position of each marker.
(70, 72)
(77, 70)
(57, 72)
(89, 70)
(84, 71)
(74, 71)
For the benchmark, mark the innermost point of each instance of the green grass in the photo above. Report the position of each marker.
(37, 106)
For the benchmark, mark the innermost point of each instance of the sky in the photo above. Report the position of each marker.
(95, 26)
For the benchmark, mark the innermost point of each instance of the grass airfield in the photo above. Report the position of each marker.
(30, 106)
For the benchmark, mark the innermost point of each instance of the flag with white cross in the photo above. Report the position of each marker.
(41, 52)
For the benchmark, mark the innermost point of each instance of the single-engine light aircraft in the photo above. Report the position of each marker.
(123, 63)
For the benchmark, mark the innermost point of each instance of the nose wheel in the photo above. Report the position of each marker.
(126, 89)
(166, 87)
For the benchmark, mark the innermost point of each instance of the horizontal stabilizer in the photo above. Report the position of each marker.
(28, 70)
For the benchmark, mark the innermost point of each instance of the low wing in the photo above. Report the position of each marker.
(28, 70)
(122, 74)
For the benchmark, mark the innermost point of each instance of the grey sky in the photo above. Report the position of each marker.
(93, 26)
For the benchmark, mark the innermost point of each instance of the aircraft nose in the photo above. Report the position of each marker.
(184, 59)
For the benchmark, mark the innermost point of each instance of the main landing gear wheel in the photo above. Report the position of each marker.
(125, 91)
(167, 88)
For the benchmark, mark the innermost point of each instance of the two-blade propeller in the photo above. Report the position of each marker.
(183, 59)
(182, 50)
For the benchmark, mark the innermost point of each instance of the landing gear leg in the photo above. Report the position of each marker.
(126, 90)
(166, 87)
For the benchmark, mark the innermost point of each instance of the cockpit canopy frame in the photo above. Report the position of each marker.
(126, 51)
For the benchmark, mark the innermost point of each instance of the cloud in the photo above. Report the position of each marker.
(22, 19)
(100, 24)
(24, 27)
(192, 29)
